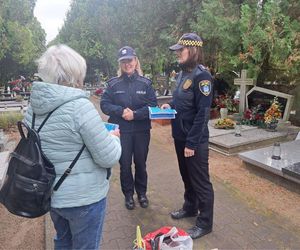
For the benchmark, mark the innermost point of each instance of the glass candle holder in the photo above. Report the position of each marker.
(276, 154)
(238, 129)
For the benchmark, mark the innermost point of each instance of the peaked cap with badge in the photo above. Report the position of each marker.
(126, 52)
(187, 39)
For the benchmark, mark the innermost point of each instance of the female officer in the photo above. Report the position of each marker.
(126, 101)
(192, 99)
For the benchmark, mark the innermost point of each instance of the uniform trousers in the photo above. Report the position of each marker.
(199, 193)
(134, 146)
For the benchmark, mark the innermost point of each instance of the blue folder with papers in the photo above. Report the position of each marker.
(158, 113)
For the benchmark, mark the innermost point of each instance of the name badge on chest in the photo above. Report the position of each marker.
(187, 84)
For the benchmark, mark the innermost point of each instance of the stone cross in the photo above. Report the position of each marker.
(243, 82)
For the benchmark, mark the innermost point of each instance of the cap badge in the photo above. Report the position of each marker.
(205, 87)
(124, 51)
(187, 84)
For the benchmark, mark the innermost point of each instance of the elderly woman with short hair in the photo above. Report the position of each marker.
(78, 206)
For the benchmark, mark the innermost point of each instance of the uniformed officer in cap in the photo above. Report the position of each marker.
(192, 100)
(126, 101)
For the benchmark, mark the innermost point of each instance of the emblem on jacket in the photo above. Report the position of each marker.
(205, 87)
(187, 84)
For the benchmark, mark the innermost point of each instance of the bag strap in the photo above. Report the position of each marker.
(68, 170)
(43, 123)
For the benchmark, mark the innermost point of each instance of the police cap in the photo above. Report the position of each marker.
(187, 39)
(126, 52)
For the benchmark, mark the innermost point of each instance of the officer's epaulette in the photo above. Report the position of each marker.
(145, 79)
(112, 81)
(202, 68)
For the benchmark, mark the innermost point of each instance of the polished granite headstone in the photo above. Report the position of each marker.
(292, 170)
(287, 166)
(224, 140)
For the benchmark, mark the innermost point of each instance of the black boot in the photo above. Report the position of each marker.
(179, 214)
(143, 200)
(129, 202)
(197, 232)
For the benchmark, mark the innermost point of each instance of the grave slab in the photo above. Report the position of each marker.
(290, 158)
(229, 144)
(3, 165)
(292, 170)
(217, 132)
(3, 140)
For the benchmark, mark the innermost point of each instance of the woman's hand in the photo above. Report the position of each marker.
(165, 106)
(128, 114)
(115, 132)
(188, 152)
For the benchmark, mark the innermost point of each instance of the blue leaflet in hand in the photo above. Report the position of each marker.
(111, 126)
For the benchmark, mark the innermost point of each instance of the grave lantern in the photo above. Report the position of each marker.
(238, 129)
(276, 154)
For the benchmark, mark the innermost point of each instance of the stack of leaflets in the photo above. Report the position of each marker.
(158, 113)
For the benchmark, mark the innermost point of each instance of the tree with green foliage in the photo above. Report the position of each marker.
(22, 39)
(271, 42)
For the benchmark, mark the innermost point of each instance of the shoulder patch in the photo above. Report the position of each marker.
(187, 84)
(205, 87)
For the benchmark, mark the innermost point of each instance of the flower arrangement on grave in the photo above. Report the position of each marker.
(226, 123)
(273, 114)
(19, 85)
(225, 101)
(254, 116)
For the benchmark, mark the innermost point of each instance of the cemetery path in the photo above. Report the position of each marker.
(245, 197)
(259, 188)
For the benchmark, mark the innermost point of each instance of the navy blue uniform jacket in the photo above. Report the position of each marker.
(192, 100)
(134, 92)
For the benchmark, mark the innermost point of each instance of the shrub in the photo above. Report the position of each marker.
(9, 119)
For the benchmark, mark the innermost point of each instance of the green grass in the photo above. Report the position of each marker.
(9, 119)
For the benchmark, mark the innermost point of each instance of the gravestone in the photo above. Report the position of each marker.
(258, 95)
(244, 82)
(3, 140)
(225, 142)
(7, 106)
(287, 166)
(4, 156)
(293, 170)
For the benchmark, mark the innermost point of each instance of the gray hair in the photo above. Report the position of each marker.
(62, 65)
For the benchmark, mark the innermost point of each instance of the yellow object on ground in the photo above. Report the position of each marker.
(139, 243)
